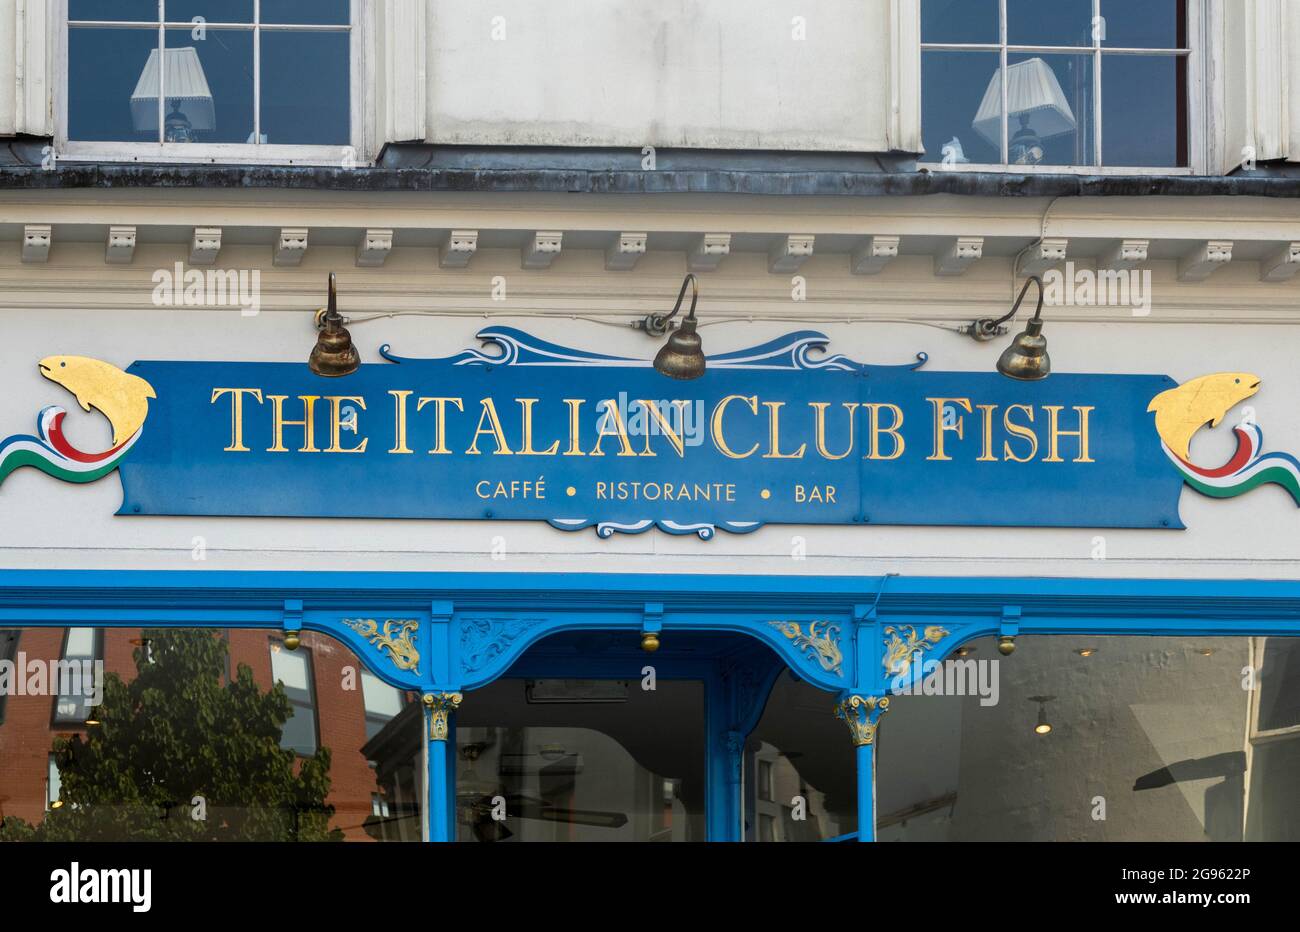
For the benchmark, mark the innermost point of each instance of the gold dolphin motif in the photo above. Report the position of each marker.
(1182, 411)
(119, 396)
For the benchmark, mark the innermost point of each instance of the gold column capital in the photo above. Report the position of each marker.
(861, 714)
(440, 706)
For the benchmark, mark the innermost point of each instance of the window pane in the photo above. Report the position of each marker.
(1153, 729)
(103, 69)
(1144, 24)
(74, 684)
(70, 709)
(290, 668)
(210, 11)
(311, 12)
(294, 111)
(956, 113)
(1058, 22)
(80, 643)
(959, 21)
(209, 88)
(114, 10)
(381, 699)
(1143, 122)
(1049, 102)
(53, 786)
(299, 733)
(1279, 683)
(800, 744)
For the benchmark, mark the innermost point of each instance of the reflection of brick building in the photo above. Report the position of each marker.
(29, 724)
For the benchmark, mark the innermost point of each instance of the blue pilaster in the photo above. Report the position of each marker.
(438, 710)
(862, 715)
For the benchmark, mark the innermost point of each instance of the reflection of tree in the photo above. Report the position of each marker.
(177, 732)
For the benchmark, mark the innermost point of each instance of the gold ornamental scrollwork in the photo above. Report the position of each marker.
(396, 637)
(902, 642)
(440, 706)
(861, 714)
(820, 642)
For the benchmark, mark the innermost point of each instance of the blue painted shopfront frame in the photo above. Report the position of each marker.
(840, 634)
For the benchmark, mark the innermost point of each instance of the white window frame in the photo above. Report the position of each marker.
(1198, 38)
(1259, 735)
(223, 153)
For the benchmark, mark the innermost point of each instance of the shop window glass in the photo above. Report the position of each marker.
(577, 760)
(180, 751)
(1126, 738)
(800, 762)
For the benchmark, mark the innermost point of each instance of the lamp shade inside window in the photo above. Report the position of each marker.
(1034, 101)
(188, 97)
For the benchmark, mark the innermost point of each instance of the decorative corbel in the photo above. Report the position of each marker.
(290, 247)
(540, 251)
(1008, 630)
(459, 249)
(292, 623)
(120, 248)
(37, 238)
(651, 624)
(205, 245)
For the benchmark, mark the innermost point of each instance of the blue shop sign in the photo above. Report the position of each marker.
(526, 430)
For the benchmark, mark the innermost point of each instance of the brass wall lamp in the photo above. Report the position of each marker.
(682, 357)
(333, 354)
(1026, 358)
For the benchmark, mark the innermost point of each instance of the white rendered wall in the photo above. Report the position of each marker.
(698, 73)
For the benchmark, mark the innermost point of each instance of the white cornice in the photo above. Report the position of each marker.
(76, 276)
(429, 240)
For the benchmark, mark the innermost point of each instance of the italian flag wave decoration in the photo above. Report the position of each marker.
(52, 454)
(1243, 472)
